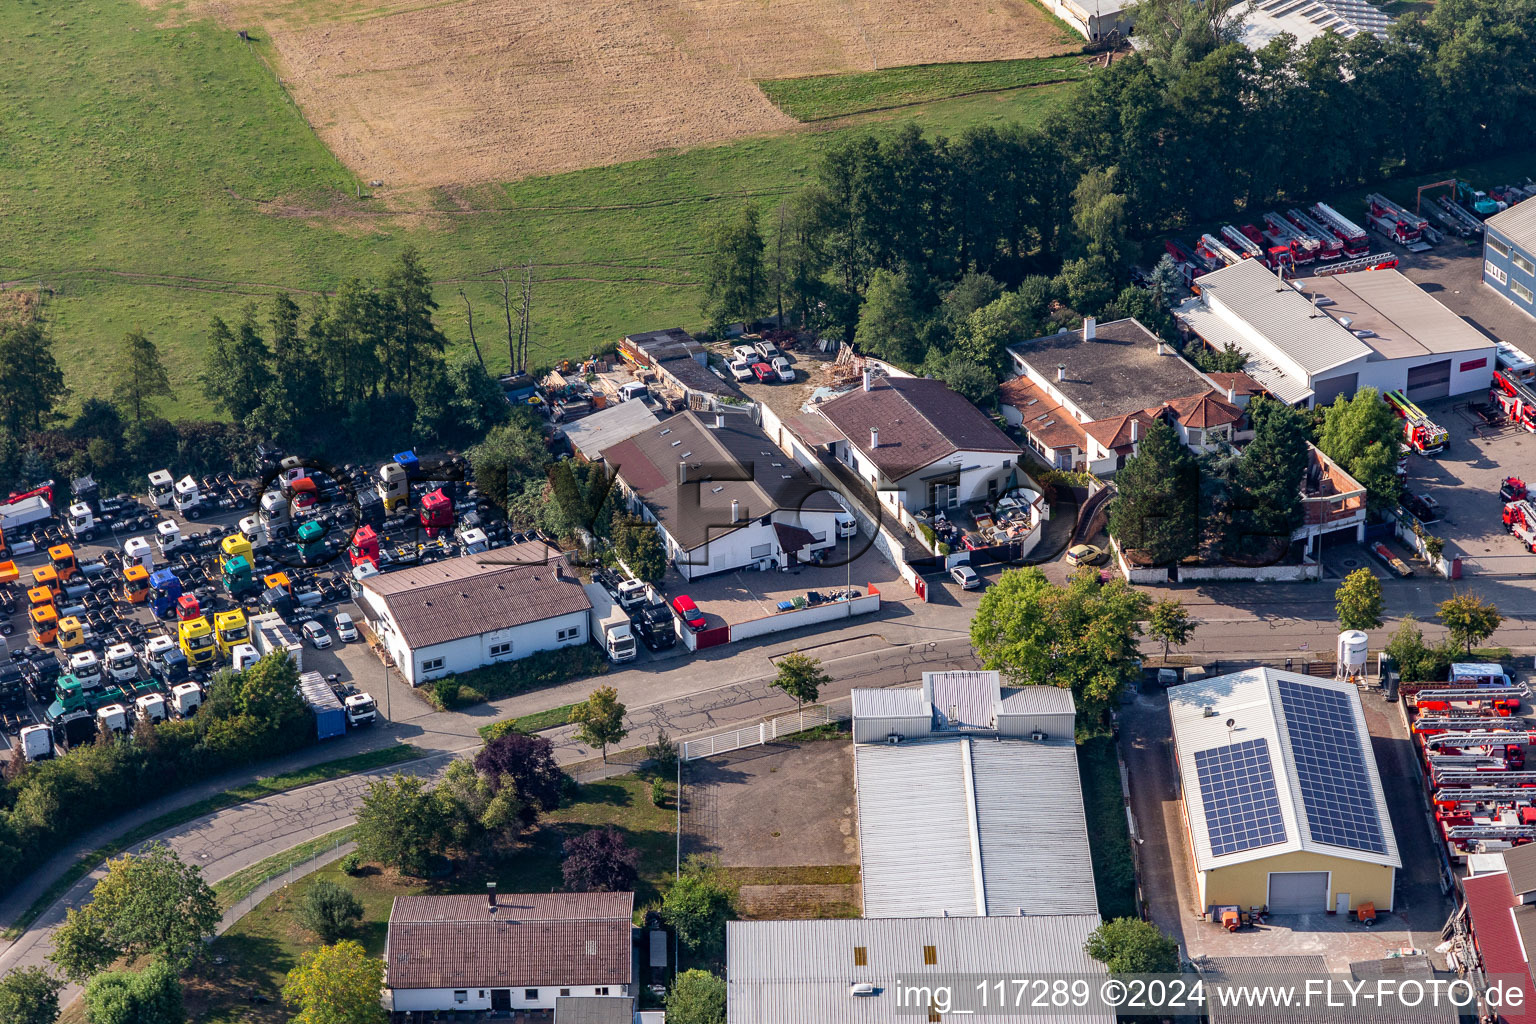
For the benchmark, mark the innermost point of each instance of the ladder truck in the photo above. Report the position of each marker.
(1396, 223)
(1276, 256)
(1242, 244)
(1212, 246)
(1282, 232)
(1423, 434)
(1331, 247)
(1515, 399)
(1356, 243)
(1185, 262)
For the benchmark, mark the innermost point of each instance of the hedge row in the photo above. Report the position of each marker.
(509, 678)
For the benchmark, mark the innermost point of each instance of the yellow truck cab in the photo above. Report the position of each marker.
(63, 558)
(235, 545)
(197, 641)
(71, 633)
(231, 630)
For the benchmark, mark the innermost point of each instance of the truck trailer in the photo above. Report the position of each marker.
(609, 625)
(330, 715)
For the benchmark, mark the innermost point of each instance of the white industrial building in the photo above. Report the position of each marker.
(1313, 340)
(512, 952)
(988, 779)
(1095, 20)
(607, 427)
(461, 613)
(855, 971)
(1306, 20)
(724, 496)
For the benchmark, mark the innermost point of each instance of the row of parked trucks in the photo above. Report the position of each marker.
(1298, 237)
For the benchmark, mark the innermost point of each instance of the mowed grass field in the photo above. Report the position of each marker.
(154, 175)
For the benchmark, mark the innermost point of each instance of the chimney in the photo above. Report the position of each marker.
(490, 896)
(735, 511)
(874, 436)
(866, 378)
(1089, 328)
(682, 471)
(1061, 372)
(1162, 348)
(1232, 394)
(1135, 431)
(719, 419)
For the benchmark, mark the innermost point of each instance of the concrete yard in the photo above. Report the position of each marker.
(732, 597)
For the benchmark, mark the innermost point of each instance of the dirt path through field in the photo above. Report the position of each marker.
(470, 91)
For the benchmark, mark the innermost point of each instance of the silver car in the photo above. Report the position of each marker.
(965, 576)
(316, 635)
(346, 630)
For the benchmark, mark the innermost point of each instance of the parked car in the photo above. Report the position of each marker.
(768, 350)
(746, 353)
(1086, 554)
(740, 369)
(966, 577)
(316, 635)
(688, 612)
(784, 370)
(764, 373)
(346, 629)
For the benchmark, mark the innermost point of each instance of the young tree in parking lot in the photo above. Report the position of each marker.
(336, 985)
(138, 376)
(1358, 601)
(802, 677)
(1128, 945)
(1169, 622)
(29, 995)
(600, 719)
(1468, 620)
(696, 997)
(1157, 508)
(1081, 637)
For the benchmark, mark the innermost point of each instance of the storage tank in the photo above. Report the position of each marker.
(1352, 653)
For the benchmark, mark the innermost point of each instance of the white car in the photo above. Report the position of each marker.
(316, 635)
(746, 353)
(783, 369)
(346, 630)
(768, 350)
(741, 369)
(965, 576)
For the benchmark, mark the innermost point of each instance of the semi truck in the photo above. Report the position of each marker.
(230, 630)
(162, 486)
(609, 625)
(655, 625)
(163, 660)
(330, 715)
(361, 710)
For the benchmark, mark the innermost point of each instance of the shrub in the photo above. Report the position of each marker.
(509, 678)
(352, 863)
(599, 860)
(658, 793)
(329, 911)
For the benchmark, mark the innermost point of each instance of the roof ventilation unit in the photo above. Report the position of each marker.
(863, 988)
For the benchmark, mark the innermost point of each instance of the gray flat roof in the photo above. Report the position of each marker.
(1518, 224)
(1408, 321)
(791, 971)
(1254, 295)
(972, 828)
(591, 434)
(1115, 373)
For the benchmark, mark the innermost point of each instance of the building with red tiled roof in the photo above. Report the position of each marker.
(512, 952)
(1497, 925)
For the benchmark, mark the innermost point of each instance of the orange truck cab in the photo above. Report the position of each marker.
(279, 580)
(45, 624)
(135, 584)
(46, 576)
(40, 597)
(63, 558)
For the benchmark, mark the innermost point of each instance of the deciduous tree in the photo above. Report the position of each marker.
(402, 825)
(889, 319)
(1128, 945)
(802, 677)
(1362, 434)
(29, 995)
(510, 455)
(600, 719)
(336, 984)
(735, 284)
(528, 762)
(1169, 622)
(1468, 620)
(696, 997)
(329, 910)
(697, 906)
(599, 860)
(1358, 601)
(150, 996)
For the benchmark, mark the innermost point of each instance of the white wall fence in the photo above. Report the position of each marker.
(767, 731)
(807, 616)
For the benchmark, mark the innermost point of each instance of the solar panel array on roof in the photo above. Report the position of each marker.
(1330, 767)
(1242, 806)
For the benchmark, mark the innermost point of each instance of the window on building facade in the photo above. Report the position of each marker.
(461, 995)
(1523, 263)
(530, 994)
(762, 550)
(501, 650)
(432, 664)
(1494, 245)
(1520, 290)
(1497, 273)
(570, 633)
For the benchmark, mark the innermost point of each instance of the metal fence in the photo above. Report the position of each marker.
(281, 877)
(768, 730)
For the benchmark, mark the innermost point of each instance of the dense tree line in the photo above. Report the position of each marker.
(249, 716)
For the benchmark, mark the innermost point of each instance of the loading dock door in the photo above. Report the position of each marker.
(1430, 381)
(1298, 892)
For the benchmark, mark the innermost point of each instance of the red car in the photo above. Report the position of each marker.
(764, 373)
(688, 612)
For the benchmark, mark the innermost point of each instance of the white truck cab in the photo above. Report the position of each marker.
(474, 541)
(151, 708)
(274, 509)
(81, 522)
(632, 594)
(37, 742)
(86, 667)
(161, 487)
(168, 535)
(243, 656)
(361, 710)
(136, 551)
(122, 663)
(186, 698)
(113, 718)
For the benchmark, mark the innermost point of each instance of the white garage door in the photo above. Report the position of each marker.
(1432, 380)
(1298, 892)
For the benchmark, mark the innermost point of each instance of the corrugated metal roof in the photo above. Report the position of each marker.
(594, 1010)
(1518, 224)
(1037, 700)
(607, 427)
(1520, 862)
(1251, 702)
(1218, 333)
(1249, 293)
(914, 831)
(891, 702)
(1032, 828)
(970, 826)
(963, 700)
(1490, 907)
(1407, 320)
(783, 971)
(317, 692)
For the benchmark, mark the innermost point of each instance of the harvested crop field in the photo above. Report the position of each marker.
(473, 91)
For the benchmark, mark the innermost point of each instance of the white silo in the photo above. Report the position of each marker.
(1352, 654)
